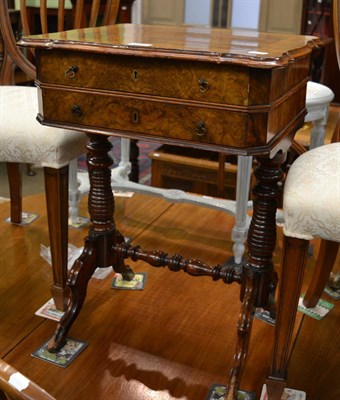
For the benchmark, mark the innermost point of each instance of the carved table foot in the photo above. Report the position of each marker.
(80, 274)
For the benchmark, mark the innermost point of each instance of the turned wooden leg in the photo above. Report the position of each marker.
(15, 185)
(258, 273)
(323, 267)
(294, 256)
(56, 189)
(98, 248)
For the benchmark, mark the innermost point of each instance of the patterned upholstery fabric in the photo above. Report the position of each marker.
(24, 140)
(311, 204)
(318, 94)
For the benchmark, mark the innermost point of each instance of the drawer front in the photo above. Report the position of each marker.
(204, 82)
(117, 113)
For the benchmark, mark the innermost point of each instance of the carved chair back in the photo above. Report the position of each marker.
(85, 13)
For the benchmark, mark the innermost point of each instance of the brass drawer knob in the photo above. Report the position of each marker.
(203, 85)
(201, 130)
(76, 110)
(70, 73)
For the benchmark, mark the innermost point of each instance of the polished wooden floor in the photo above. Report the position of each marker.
(170, 341)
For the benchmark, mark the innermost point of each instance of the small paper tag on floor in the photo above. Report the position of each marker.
(288, 394)
(218, 392)
(319, 311)
(26, 218)
(48, 310)
(64, 356)
(122, 193)
(79, 222)
(264, 315)
(136, 283)
(333, 293)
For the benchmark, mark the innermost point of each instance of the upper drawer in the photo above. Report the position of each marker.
(200, 81)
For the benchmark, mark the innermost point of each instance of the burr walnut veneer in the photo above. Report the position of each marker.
(237, 92)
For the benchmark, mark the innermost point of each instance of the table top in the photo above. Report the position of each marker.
(244, 47)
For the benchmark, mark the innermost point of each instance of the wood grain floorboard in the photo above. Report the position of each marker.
(170, 341)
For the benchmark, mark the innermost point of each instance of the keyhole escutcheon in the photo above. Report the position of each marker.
(135, 117)
(135, 75)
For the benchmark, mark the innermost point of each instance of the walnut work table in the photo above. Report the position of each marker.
(232, 91)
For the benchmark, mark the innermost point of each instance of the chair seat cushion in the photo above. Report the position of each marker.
(24, 140)
(311, 203)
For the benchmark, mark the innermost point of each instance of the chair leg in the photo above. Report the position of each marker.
(294, 257)
(74, 193)
(124, 162)
(221, 175)
(240, 229)
(134, 154)
(56, 188)
(318, 133)
(323, 267)
(336, 133)
(15, 185)
(29, 170)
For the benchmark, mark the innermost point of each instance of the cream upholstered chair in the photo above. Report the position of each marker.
(24, 140)
(15, 386)
(318, 99)
(311, 207)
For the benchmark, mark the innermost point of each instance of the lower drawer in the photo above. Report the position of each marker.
(152, 117)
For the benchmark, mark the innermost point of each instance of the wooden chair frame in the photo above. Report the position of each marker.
(56, 180)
